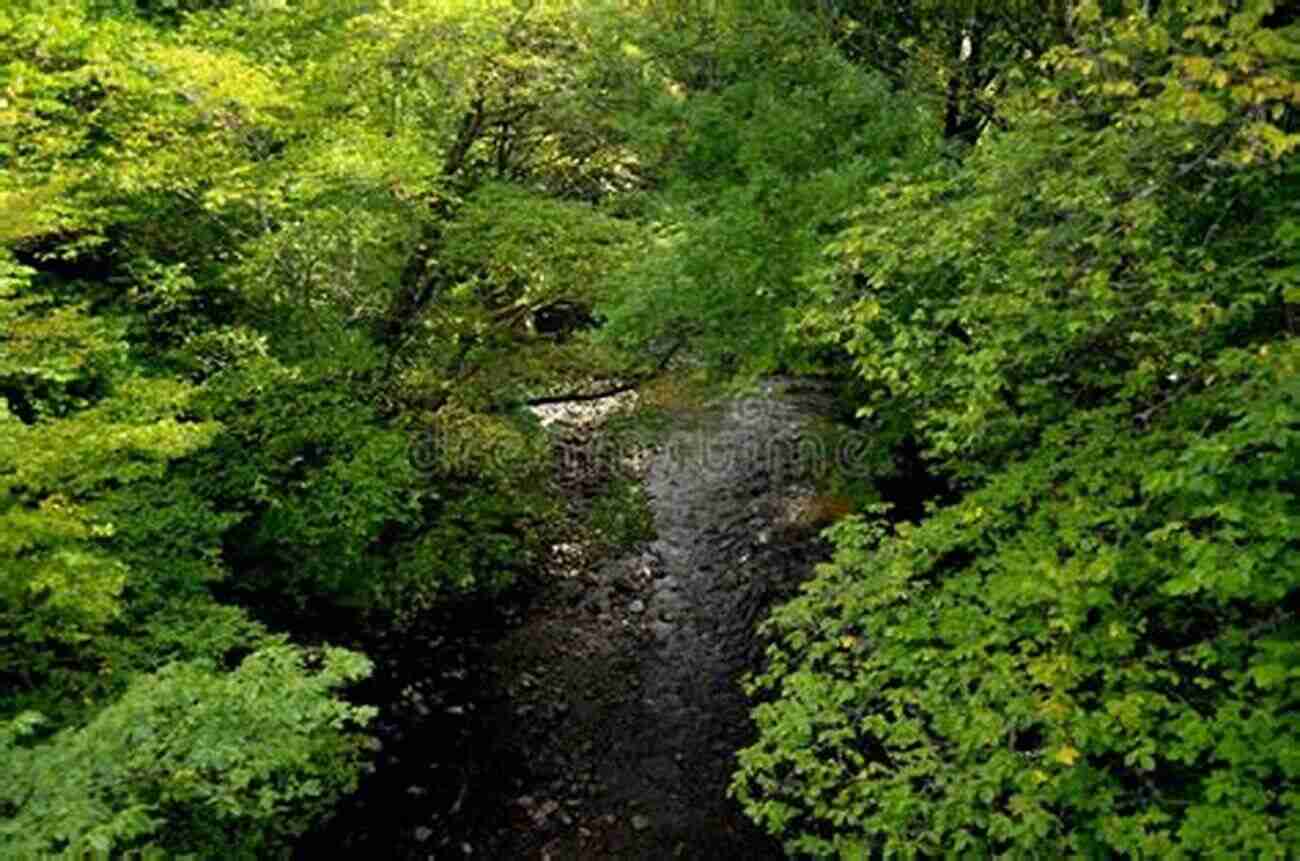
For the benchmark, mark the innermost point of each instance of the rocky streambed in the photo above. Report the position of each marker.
(596, 712)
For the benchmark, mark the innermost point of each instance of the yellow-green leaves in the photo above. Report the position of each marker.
(62, 578)
(116, 110)
(1066, 755)
(54, 572)
(1226, 67)
(533, 250)
(1089, 322)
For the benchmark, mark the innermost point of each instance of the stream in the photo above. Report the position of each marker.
(595, 711)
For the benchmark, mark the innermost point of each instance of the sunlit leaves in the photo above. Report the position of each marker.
(191, 760)
(1107, 367)
(1054, 609)
(1211, 64)
(532, 249)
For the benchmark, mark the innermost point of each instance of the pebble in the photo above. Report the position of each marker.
(689, 594)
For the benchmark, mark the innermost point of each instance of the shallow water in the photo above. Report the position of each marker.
(598, 717)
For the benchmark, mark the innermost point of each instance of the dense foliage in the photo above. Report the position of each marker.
(1089, 322)
(191, 762)
(275, 281)
(278, 279)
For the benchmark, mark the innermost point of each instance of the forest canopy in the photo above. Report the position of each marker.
(252, 252)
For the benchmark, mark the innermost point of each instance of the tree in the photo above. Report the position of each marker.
(956, 53)
(240, 281)
(1087, 321)
(190, 762)
(763, 134)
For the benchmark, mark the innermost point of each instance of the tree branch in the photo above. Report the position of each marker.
(470, 126)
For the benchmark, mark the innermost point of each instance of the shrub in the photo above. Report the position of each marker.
(191, 762)
(1090, 324)
(1094, 654)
